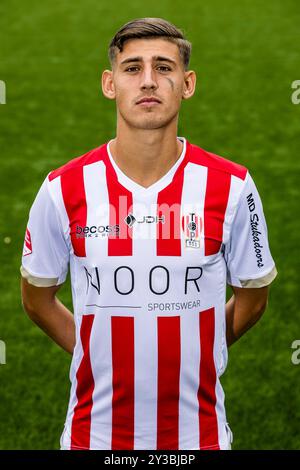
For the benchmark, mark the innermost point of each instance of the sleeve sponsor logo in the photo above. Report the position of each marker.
(254, 223)
(27, 250)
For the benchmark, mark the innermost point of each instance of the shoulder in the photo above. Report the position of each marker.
(78, 163)
(216, 162)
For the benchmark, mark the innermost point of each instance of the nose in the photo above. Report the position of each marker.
(148, 80)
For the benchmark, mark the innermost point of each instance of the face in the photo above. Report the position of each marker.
(148, 68)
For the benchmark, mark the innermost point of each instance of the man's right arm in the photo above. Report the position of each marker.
(46, 310)
(44, 267)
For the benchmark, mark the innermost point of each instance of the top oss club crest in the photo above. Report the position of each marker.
(192, 226)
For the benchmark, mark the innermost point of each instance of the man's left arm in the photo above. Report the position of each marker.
(250, 266)
(243, 310)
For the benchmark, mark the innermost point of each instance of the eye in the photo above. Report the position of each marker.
(130, 68)
(164, 67)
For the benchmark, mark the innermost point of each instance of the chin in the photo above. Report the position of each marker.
(149, 124)
(147, 120)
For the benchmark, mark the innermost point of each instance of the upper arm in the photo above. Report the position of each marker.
(35, 298)
(251, 299)
(247, 254)
(46, 254)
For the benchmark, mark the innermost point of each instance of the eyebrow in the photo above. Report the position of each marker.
(156, 58)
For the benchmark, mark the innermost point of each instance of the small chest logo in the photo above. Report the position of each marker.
(192, 226)
(145, 219)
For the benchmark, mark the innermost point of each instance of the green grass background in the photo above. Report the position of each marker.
(246, 55)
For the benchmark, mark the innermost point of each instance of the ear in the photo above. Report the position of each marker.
(108, 87)
(189, 84)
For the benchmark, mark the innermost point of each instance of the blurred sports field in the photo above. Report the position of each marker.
(246, 55)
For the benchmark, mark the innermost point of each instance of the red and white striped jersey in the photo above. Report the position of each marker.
(149, 268)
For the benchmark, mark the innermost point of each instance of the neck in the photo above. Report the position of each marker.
(146, 155)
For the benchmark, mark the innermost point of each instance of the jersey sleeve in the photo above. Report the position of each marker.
(45, 255)
(247, 253)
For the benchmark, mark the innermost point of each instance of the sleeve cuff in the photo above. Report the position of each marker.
(259, 282)
(38, 281)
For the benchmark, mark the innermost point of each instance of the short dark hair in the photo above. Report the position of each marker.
(150, 28)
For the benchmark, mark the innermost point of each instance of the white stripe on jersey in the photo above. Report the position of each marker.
(97, 205)
(145, 373)
(193, 197)
(101, 415)
(56, 194)
(75, 363)
(189, 381)
(236, 186)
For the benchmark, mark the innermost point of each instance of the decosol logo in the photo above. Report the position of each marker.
(93, 230)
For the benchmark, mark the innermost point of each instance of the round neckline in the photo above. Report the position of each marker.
(132, 185)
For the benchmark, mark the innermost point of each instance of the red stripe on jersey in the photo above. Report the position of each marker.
(122, 337)
(92, 156)
(81, 423)
(168, 382)
(120, 205)
(216, 198)
(215, 162)
(206, 393)
(168, 241)
(73, 192)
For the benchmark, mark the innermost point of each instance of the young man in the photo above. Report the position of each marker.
(153, 227)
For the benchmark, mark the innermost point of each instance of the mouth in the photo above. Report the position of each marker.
(148, 102)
